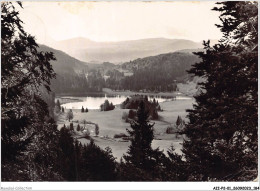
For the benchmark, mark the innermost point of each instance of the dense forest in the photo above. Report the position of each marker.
(156, 73)
(222, 139)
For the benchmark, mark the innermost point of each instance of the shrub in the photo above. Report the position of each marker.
(170, 130)
(131, 114)
(120, 135)
(106, 106)
(125, 116)
(86, 133)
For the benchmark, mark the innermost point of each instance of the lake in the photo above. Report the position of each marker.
(93, 101)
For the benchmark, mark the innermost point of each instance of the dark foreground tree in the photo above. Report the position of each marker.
(140, 150)
(66, 156)
(97, 164)
(141, 161)
(222, 132)
(28, 135)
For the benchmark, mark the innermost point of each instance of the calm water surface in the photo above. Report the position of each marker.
(94, 101)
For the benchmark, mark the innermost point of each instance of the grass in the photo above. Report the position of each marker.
(111, 123)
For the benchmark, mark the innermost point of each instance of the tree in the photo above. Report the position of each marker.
(78, 128)
(131, 114)
(86, 110)
(96, 129)
(26, 73)
(222, 128)
(106, 106)
(97, 164)
(71, 127)
(139, 152)
(69, 115)
(82, 109)
(67, 155)
(84, 123)
(58, 105)
(178, 121)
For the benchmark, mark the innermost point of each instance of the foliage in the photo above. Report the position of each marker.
(133, 103)
(28, 135)
(140, 157)
(96, 129)
(120, 135)
(125, 117)
(69, 115)
(155, 73)
(222, 132)
(58, 106)
(78, 128)
(97, 164)
(107, 106)
(71, 127)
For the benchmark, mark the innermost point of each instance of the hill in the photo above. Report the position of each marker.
(64, 63)
(156, 73)
(72, 75)
(118, 52)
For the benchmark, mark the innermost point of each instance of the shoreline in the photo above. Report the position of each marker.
(107, 91)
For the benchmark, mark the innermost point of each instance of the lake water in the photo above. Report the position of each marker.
(94, 101)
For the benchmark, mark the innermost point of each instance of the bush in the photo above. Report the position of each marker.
(107, 106)
(133, 104)
(131, 114)
(125, 116)
(86, 133)
(170, 130)
(120, 135)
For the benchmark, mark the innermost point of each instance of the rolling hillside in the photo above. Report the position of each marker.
(123, 51)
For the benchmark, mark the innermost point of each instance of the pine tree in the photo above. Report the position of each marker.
(140, 150)
(222, 132)
(71, 127)
(97, 164)
(67, 164)
(58, 105)
(96, 129)
(78, 128)
(28, 138)
(178, 121)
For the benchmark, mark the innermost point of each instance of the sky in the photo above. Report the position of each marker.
(120, 21)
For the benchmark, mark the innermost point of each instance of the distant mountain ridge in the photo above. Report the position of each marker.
(154, 73)
(123, 51)
(64, 63)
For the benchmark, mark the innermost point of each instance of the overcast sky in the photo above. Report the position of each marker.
(119, 21)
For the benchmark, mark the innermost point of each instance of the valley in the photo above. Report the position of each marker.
(111, 123)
